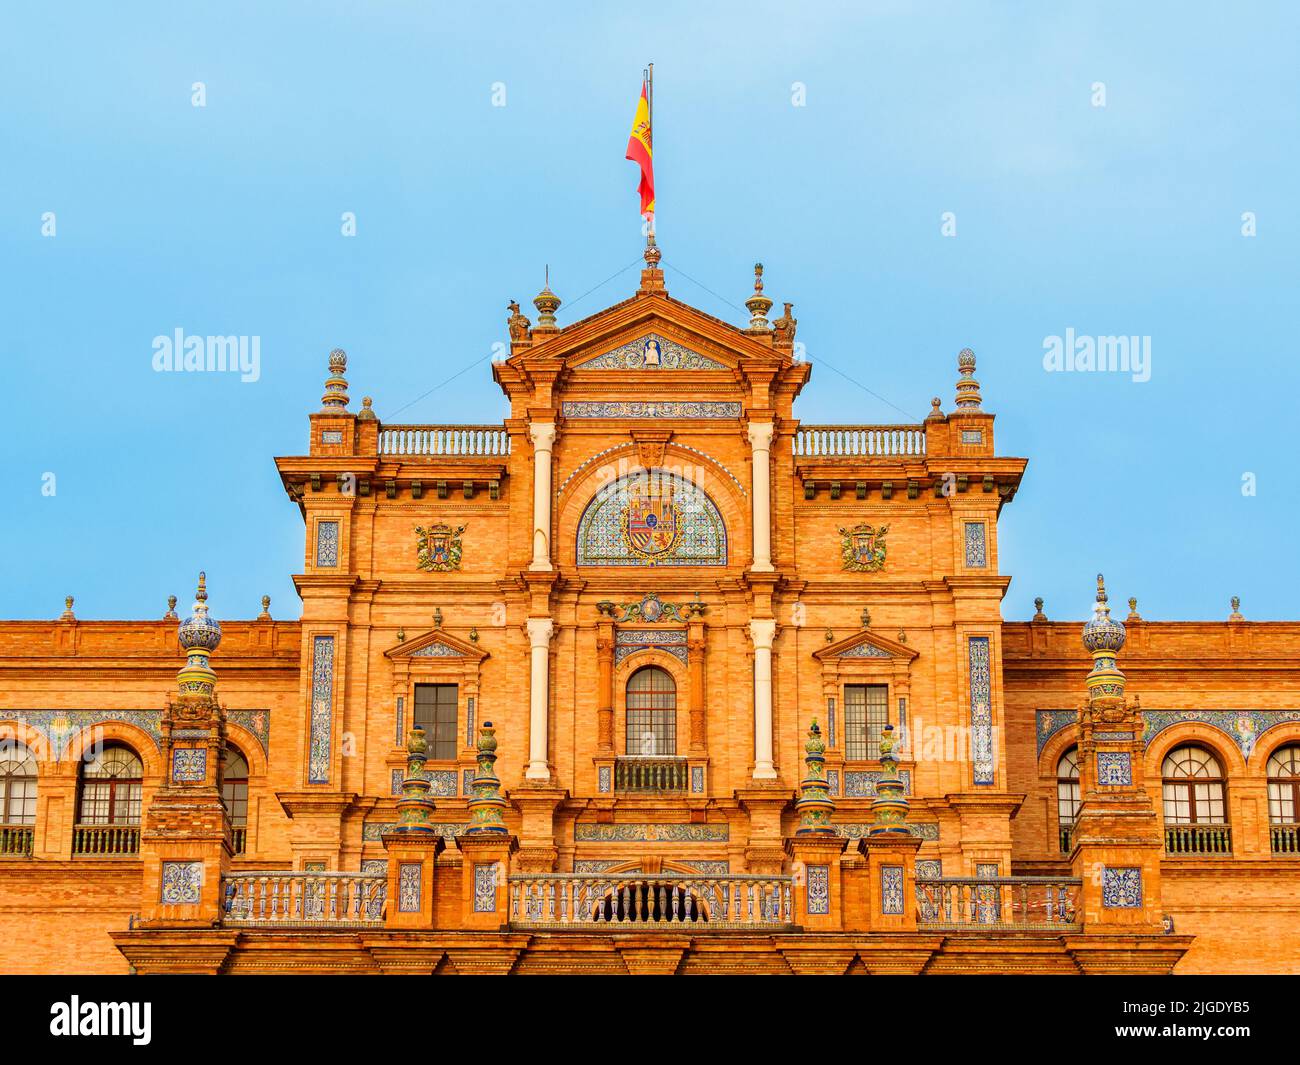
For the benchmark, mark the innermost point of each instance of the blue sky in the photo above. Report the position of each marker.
(1117, 220)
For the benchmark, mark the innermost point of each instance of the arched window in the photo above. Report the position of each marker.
(17, 785)
(234, 791)
(1193, 788)
(1067, 794)
(651, 712)
(111, 788)
(1284, 786)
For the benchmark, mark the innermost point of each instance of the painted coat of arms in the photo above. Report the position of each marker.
(438, 547)
(863, 547)
(652, 522)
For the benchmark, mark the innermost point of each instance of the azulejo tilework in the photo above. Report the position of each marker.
(189, 765)
(976, 555)
(1121, 888)
(651, 352)
(697, 780)
(375, 901)
(891, 889)
(1050, 722)
(327, 543)
(819, 889)
(863, 547)
(865, 650)
(1243, 727)
(861, 784)
(929, 868)
(643, 410)
(182, 883)
(396, 782)
(437, 650)
(604, 779)
(438, 547)
(650, 833)
(373, 831)
(485, 887)
(258, 722)
(408, 887)
(922, 830)
(630, 641)
(467, 781)
(981, 710)
(59, 726)
(833, 783)
(1114, 768)
(651, 518)
(322, 710)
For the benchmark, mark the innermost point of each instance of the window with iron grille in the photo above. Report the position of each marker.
(865, 714)
(651, 712)
(435, 712)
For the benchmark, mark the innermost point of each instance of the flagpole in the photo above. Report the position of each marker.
(650, 110)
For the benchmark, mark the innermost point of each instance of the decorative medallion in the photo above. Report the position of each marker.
(863, 547)
(438, 547)
(651, 518)
(651, 352)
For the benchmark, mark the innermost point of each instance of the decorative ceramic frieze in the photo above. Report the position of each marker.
(651, 352)
(322, 710)
(1242, 727)
(641, 410)
(981, 710)
(861, 784)
(650, 833)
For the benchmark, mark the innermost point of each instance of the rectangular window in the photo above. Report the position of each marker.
(435, 712)
(865, 715)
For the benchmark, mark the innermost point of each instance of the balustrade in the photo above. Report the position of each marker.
(651, 773)
(1285, 839)
(16, 841)
(471, 440)
(289, 899)
(858, 441)
(108, 841)
(668, 901)
(1198, 839)
(1018, 902)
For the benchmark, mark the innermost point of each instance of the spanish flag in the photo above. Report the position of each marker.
(639, 151)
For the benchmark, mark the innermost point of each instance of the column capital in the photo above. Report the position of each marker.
(540, 631)
(542, 435)
(760, 435)
(762, 631)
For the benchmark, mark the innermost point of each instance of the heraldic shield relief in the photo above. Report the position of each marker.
(652, 522)
(864, 547)
(438, 547)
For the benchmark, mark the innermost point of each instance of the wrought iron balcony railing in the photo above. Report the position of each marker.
(650, 902)
(654, 773)
(106, 841)
(1013, 902)
(1198, 839)
(295, 900)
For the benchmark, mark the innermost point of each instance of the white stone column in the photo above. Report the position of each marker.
(539, 697)
(543, 437)
(760, 439)
(762, 632)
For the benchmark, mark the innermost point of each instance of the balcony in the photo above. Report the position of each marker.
(858, 441)
(1198, 840)
(106, 841)
(1284, 838)
(972, 903)
(16, 841)
(640, 902)
(469, 441)
(279, 899)
(659, 774)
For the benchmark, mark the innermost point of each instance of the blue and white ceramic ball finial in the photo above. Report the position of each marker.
(1102, 633)
(198, 631)
(335, 400)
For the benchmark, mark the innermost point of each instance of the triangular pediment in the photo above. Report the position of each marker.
(437, 644)
(866, 644)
